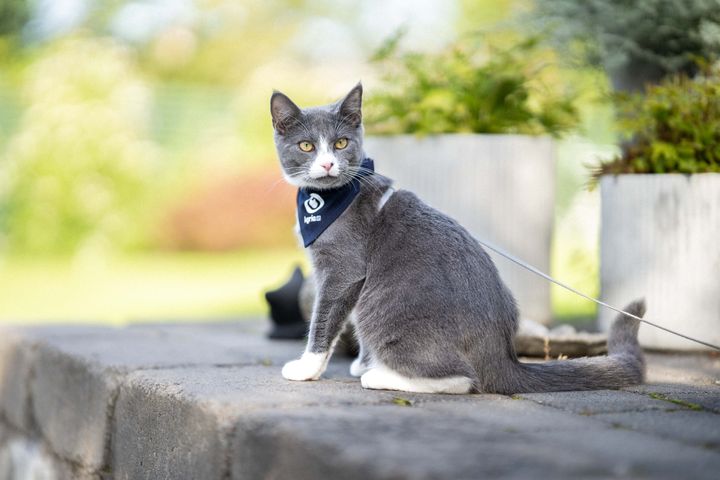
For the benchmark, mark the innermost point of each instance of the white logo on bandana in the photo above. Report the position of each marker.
(314, 203)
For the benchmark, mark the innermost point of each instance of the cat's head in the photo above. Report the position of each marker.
(319, 147)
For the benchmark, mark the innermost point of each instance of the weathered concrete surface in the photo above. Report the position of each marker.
(21, 458)
(76, 374)
(601, 401)
(15, 373)
(691, 427)
(208, 401)
(188, 404)
(161, 433)
(400, 442)
(71, 401)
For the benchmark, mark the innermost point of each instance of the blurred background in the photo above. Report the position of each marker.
(138, 178)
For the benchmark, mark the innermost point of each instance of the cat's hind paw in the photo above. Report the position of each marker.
(308, 367)
(357, 368)
(382, 378)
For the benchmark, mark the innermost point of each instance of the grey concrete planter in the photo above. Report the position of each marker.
(500, 187)
(661, 239)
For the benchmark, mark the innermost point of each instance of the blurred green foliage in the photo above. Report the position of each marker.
(87, 113)
(13, 16)
(470, 87)
(226, 42)
(645, 39)
(78, 172)
(475, 15)
(674, 127)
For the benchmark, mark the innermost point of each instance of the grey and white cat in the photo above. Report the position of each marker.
(431, 312)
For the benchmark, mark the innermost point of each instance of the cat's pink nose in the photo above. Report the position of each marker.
(327, 165)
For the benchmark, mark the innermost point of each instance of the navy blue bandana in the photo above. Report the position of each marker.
(318, 209)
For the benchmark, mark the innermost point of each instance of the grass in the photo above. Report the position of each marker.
(176, 286)
(682, 403)
(403, 402)
(146, 287)
(159, 287)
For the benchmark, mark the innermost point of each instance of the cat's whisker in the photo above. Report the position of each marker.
(368, 170)
(296, 174)
(274, 185)
(361, 171)
(364, 180)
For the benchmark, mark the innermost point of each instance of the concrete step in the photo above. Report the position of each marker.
(208, 402)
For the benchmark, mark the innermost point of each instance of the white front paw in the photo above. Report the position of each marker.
(308, 367)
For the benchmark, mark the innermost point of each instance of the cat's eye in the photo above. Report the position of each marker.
(306, 146)
(341, 143)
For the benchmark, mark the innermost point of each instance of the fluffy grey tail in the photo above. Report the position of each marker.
(624, 364)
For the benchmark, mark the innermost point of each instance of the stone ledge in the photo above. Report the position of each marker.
(208, 401)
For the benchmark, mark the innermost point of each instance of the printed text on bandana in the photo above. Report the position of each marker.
(318, 209)
(312, 205)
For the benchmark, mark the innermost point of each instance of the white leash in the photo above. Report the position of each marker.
(599, 302)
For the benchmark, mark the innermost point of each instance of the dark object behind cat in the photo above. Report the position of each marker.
(285, 312)
(431, 312)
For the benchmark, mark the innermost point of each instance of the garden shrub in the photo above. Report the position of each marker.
(469, 87)
(673, 128)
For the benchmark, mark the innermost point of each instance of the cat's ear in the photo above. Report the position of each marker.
(351, 107)
(284, 112)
